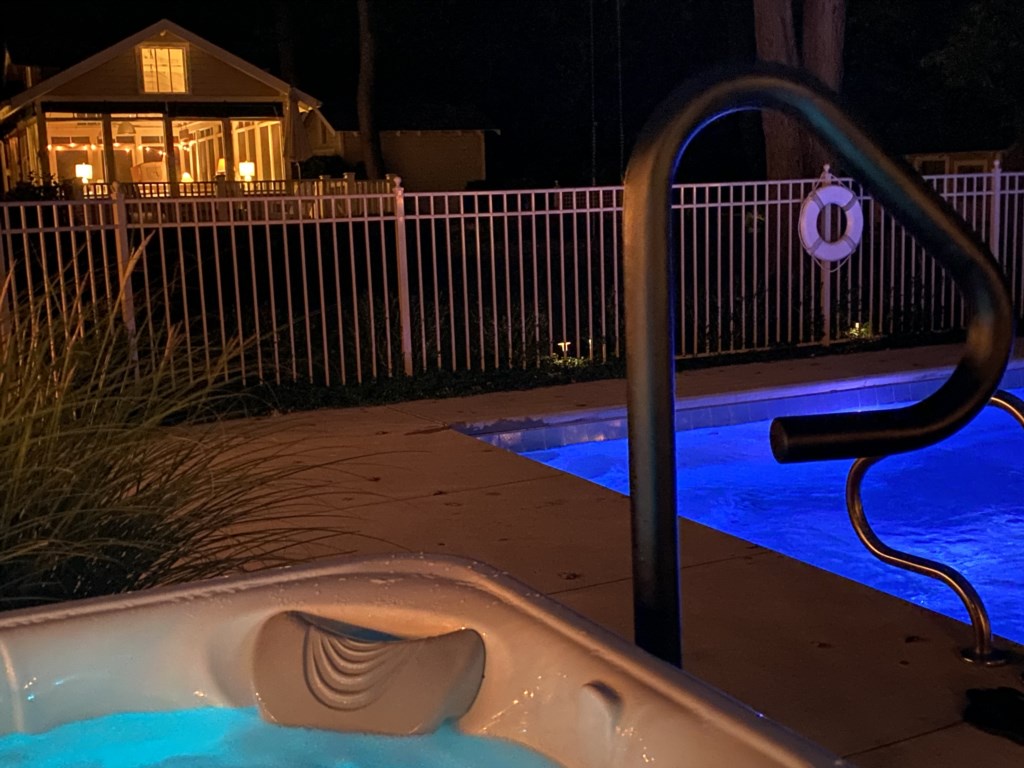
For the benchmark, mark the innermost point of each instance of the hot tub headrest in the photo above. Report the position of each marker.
(320, 673)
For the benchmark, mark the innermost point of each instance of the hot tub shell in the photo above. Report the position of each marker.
(553, 681)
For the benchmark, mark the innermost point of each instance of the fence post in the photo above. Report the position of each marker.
(995, 220)
(124, 258)
(402, 256)
(826, 271)
(826, 304)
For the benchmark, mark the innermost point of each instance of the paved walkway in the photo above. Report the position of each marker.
(870, 677)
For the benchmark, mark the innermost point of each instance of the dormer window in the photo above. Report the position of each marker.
(163, 69)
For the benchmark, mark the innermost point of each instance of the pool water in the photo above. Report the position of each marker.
(238, 738)
(960, 502)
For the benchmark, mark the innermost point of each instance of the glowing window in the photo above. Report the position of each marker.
(163, 69)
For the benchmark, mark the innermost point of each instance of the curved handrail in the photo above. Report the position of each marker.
(983, 651)
(649, 328)
(1011, 404)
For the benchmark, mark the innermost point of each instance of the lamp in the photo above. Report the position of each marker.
(84, 172)
(247, 169)
(222, 167)
(125, 128)
(186, 177)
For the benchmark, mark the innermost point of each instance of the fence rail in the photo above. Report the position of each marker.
(336, 287)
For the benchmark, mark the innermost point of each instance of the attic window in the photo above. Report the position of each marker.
(163, 69)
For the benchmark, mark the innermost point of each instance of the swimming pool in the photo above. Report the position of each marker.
(960, 502)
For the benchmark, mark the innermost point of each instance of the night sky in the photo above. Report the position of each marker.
(542, 72)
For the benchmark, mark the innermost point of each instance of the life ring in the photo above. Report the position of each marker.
(811, 238)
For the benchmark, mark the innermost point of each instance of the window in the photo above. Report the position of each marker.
(163, 69)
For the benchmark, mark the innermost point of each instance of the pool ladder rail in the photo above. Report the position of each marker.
(648, 219)
(982, 652)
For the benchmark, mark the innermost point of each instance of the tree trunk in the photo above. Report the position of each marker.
(776, 43)
(824, 29)
(285, 48)
(369, 137)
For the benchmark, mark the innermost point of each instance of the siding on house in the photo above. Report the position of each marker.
(930, 163)
(427, 161)
(117, 78)
(212, 78)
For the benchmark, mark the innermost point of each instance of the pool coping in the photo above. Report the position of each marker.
(545, 431)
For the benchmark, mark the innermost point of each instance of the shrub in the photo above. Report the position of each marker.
(114, 474)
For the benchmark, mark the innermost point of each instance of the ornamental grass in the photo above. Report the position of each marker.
(116, 473)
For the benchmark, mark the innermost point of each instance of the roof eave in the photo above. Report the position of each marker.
(23, 99)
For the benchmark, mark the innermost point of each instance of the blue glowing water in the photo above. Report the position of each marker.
(960, 502)
(238, 738)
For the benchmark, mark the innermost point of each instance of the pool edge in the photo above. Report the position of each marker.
(554, 430)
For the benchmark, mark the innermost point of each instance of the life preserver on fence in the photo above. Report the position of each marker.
(810, 236)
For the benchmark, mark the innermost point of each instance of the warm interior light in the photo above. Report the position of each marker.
(186, 177)
(222, 167)
(247, 169)
(84, 172)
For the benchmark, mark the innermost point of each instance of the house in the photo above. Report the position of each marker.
(170, 113)
(422, 143)
(426, 160)
(1009, 158)
(164, 106)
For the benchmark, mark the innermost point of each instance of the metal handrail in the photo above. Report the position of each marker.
(983, 651)
(1012, 404)
(647, 222)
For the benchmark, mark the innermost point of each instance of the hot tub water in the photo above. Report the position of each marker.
(237, 738)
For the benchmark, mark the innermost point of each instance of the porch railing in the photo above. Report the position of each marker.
(346, 185)
(340, 286)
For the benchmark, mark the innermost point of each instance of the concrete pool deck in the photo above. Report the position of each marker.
(872, 678)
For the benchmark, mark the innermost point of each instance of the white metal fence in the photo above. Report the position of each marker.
(350, 287)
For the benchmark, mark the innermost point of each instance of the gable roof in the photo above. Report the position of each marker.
(26, 97)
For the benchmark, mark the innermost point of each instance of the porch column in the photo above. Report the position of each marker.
(109, 159)
(41, 141)
(229, 148)
(170, 157)
(290, 112)
(5, 179)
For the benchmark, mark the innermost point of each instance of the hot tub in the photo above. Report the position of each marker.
(549, 679)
